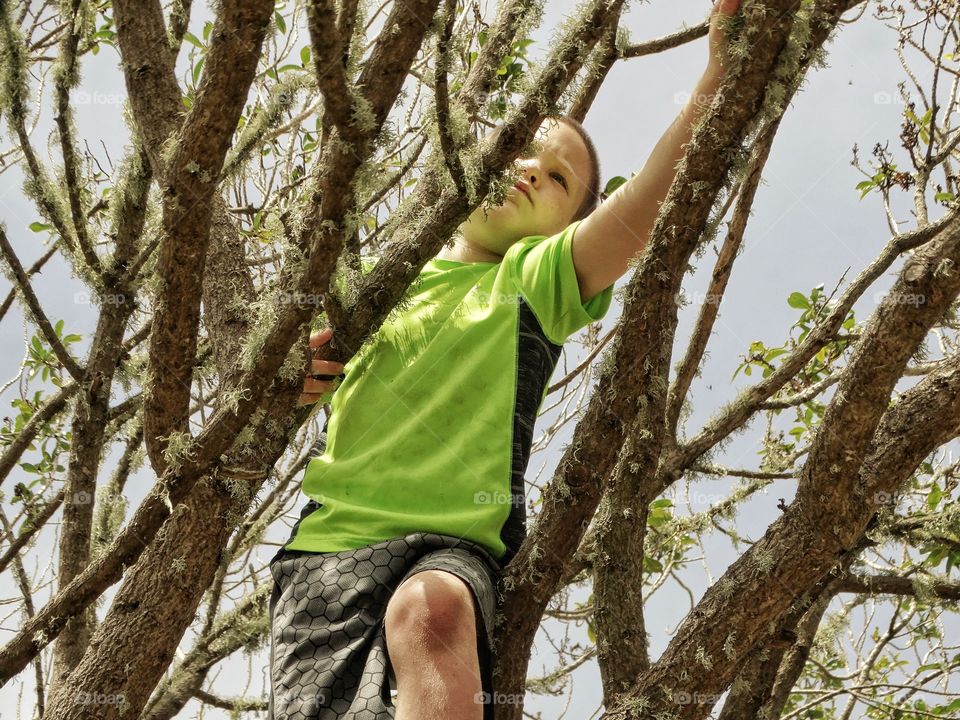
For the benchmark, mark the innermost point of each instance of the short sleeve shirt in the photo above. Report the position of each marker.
(430, 431)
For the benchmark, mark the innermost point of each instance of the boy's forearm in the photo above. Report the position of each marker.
(661, 167)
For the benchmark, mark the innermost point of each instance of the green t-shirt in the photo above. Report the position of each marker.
(430, 431)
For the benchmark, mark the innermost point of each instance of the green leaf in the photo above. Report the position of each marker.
(38, 226)
(207, 27)
(934, 497)
(305, 55)
(798, 300)
(197, 68)
(612, 185)
(281, 23)
(192, 39)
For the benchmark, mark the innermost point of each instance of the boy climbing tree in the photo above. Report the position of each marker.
(416, 495)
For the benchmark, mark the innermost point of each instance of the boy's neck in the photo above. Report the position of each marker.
(463, 251)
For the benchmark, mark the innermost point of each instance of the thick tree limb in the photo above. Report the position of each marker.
(753, 686)
(189, 181)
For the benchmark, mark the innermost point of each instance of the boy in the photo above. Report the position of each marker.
(389, 577)
(418, 496)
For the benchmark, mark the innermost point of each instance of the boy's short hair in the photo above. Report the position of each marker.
(592, 199)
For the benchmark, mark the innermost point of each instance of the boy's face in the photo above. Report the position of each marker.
(556, 180)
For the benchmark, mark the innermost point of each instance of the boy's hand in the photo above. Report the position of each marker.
(722, 9)
(313, 388)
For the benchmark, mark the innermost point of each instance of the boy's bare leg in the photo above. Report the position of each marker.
(432, 641)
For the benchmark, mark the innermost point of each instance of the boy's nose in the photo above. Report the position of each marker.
(530, 174)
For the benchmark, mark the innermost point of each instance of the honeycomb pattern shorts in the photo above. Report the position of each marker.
(328, 649)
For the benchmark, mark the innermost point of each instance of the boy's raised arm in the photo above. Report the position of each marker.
(615, 232)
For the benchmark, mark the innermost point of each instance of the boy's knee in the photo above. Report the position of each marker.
(431, 610)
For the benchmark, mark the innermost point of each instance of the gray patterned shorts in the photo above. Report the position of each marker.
(328, 648)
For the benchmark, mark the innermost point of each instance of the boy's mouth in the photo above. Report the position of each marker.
(524, 190)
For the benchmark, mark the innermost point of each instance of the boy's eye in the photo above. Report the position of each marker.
(562, 179)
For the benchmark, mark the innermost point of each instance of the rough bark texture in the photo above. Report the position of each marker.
(760, 671)
(189, 180)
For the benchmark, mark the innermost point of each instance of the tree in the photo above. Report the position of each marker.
(223, 295)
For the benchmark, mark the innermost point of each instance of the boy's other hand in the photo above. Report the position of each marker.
(314, 388)
(722, 10)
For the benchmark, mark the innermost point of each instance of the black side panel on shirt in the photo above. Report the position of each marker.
(311, 505)
(536, 359)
